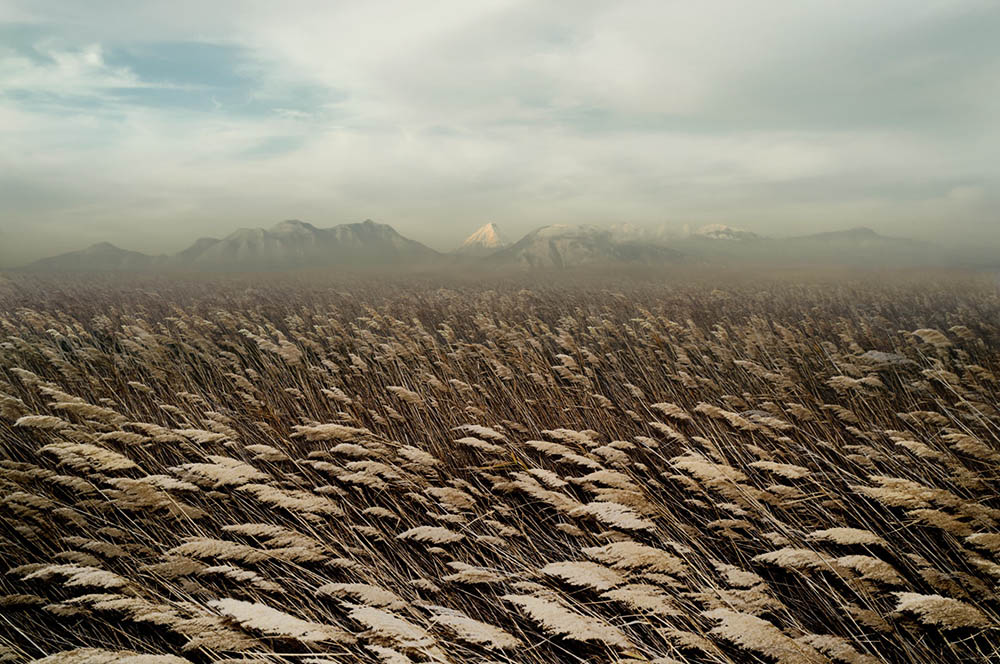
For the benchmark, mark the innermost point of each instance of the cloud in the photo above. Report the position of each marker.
(152, 123)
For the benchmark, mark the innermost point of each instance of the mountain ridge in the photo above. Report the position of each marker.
(289, 244)
(562, 245)
(294, 244)
(103, 256)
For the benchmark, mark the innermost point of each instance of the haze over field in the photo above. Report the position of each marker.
(152, 124)
(294, 245)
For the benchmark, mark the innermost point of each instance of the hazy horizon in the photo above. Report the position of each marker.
(665, 232)
(150, 125)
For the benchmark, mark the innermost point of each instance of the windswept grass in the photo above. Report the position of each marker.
(734, 472)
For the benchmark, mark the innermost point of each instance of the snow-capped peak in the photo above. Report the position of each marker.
(723, 232)
(487, 237)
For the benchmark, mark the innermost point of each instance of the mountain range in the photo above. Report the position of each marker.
(294, 244)
(287, 245)
(561, 246)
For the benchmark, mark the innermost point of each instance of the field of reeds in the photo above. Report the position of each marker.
(757, 471)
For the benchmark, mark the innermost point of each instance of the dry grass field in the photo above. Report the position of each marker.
(757, 470)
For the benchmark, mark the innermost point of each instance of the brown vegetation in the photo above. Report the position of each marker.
(735, 472)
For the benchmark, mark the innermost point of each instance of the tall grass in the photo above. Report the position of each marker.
(738, 471)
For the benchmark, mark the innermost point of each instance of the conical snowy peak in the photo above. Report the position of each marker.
(485, 240)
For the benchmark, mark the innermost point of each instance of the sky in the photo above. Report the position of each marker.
(150, 124)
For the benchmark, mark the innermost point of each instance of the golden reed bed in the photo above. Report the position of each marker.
(751, 471)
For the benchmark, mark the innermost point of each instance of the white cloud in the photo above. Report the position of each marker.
(66, 72)
(439, 116)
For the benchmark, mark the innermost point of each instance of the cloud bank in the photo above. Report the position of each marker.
(151, 123)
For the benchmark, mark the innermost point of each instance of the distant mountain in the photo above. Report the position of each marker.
(862, 245)
(287, 245)
(723, 232)
(563, 246)
(200, 246)
(485, 241)
(103, 256)
(296, 243)
(855, 246)
(626, 232)
(859, 237)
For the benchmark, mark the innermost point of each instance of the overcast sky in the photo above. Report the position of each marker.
(153, 123)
